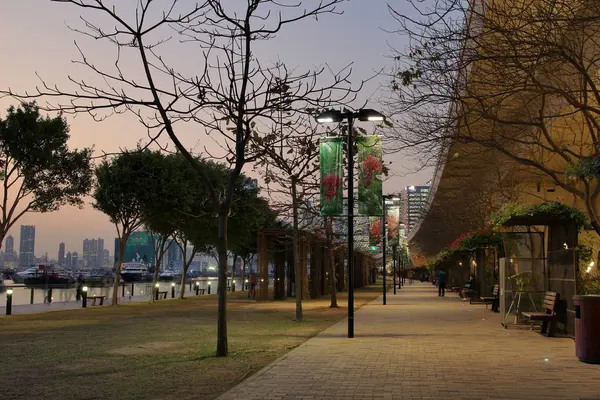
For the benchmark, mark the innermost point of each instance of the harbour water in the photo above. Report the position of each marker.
(25, 295)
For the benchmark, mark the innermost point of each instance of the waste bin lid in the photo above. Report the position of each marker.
(595, 297)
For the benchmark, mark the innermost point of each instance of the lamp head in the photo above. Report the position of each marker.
(157, 285)
(9, 291)
(368, 114)
(329, 116)
(85, 288)
(173, 284)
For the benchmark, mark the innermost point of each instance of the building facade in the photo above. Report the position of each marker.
(9, 248)
(93, 253)
(27, 246)
(414, 203)
(61, 254)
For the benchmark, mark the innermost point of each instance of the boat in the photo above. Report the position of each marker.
(169, 275)
(48, 275)
(135, 272)
(20, 277)
(97, 277)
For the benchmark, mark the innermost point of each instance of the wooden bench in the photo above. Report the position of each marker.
(95, 297)
(494, 300)
(548, 317)
(162, 294)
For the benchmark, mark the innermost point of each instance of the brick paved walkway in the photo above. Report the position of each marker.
(421, 346)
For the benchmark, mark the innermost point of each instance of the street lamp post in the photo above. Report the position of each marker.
(394, 268)
(336, 116)
(384, 241)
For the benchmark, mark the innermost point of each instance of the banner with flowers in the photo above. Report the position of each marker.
(332, 176)
(374, 231)
(393, 227)
(370, 168)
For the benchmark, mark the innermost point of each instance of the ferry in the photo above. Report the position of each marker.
(135, 272)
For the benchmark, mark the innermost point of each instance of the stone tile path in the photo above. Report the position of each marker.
(420, 346)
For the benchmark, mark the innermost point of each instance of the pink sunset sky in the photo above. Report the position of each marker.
(36, 39)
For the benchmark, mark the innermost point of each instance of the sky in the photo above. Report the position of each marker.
(41, 43)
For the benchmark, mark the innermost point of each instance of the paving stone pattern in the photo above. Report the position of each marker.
(421, 346)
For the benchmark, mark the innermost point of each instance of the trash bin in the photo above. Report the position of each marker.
(587, 328)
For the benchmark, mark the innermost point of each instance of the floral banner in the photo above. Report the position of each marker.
(374, 231)
(370, 168)
(393, 227)
(332, 176)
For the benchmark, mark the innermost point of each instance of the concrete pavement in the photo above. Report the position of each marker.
(421, 346)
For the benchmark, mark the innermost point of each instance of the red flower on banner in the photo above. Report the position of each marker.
(393, 226)
(376, 229)
(370, 167)
(331, 183)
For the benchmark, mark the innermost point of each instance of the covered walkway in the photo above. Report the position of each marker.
(421, 346)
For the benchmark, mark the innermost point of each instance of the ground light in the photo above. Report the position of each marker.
(9, 295)
(335, 116)
(84, 292)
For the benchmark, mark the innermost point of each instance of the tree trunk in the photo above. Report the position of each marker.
(222, 348)
(298, 267)
(115, 294)
(157, 262)
(185, 269)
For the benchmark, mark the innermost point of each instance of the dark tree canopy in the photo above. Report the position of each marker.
(39, 172)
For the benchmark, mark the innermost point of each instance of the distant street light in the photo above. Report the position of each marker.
(335, 116)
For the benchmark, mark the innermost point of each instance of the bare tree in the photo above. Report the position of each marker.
(290, 169)
(229, 98)
(516, 77)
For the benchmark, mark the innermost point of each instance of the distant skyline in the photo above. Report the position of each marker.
(46, 48)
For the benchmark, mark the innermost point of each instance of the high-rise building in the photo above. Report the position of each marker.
(9, 248)
(106, 255)
(61, 254)
(69, 260)
(74, 260)
(93, 253)
(27, 246)
(173, 254)
(89, 253)
(414, 200)
(138, 248)
(100, 253)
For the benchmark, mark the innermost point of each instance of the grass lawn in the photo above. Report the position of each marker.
(153, 351)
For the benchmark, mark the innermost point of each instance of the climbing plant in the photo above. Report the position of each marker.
(551, 209)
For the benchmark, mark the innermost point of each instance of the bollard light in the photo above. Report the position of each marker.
(173, 290)
(197, 288)
(156, 287)
(9, 294)
(84, 291)
(209, 287)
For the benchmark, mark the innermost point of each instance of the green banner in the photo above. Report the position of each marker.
(393, 227)
(374, 231)
(332, 176)
(370, 168)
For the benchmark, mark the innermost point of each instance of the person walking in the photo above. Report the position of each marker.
(442, 283)
(252, 291)
(79, 288)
